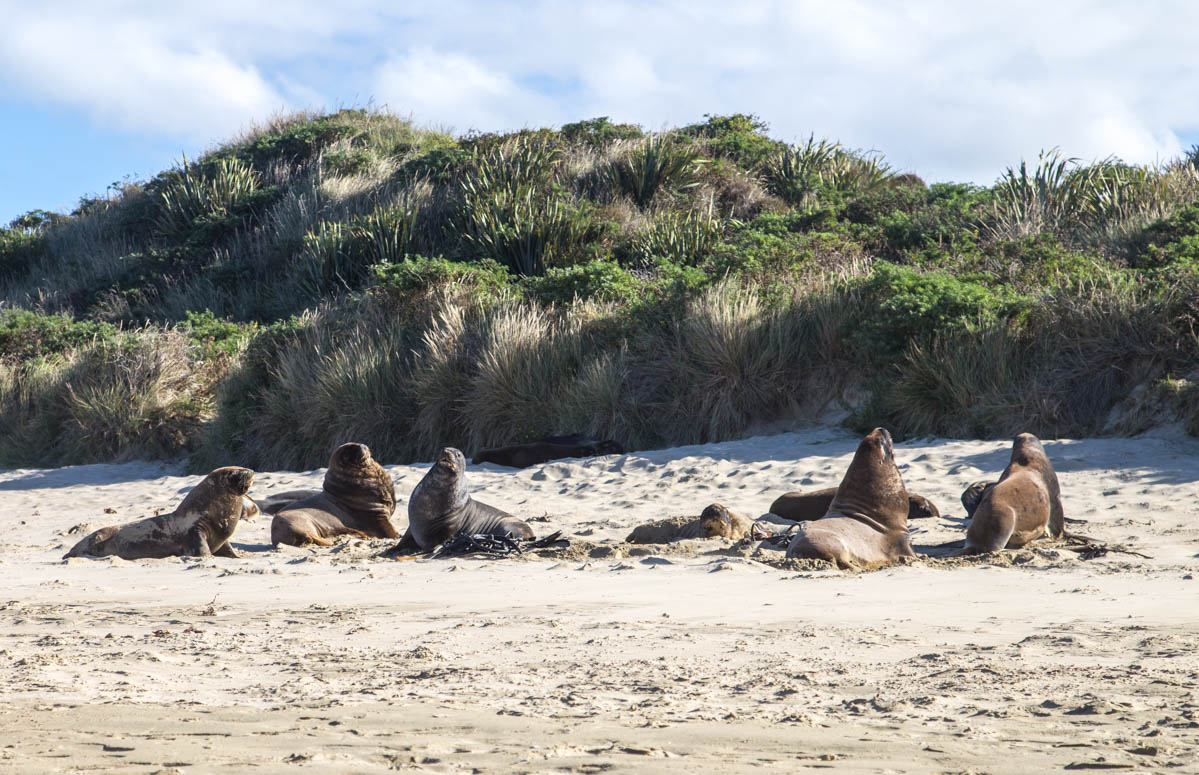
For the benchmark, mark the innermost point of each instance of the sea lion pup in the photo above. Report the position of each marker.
(972, 495)
(441, 508)
(808, 506)
(715, 521)
(866, 525)
(1025, 504)
(718, 522)
(356, 498)
(200, 527)
(544, 450)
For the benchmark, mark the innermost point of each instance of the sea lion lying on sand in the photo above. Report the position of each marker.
(356, 498)
(1025, 504)
(276, 502)
(867, 522)
(441, 508)
(716, 521)
(200, 527)
(543, 450)
(807, 506)
(972, 495)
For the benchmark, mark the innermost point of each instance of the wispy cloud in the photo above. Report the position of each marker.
(951, 90)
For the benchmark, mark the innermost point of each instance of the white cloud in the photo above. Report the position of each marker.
(952, 90)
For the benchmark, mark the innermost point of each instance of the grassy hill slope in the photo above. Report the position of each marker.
(349, 276)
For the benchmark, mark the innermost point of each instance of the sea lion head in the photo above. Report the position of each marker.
(920, 507)
(350, 456)
(234, 479)
(1027, 450)
(450, 463)
(715, 521)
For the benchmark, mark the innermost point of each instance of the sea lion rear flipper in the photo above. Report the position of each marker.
(406, 546)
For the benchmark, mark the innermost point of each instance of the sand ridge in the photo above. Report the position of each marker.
(676, 657)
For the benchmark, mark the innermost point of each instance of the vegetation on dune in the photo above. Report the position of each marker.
(351, 276)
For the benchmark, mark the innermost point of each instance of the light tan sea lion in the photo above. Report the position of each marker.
(249, 509)
(441, 507)
(356, 498)
(715, 521)
(807, 506)
(1025, 504)
(200, 527)
(867, 522)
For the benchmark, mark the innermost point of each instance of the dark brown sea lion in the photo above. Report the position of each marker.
(200, 527)
(441, 507)
(543, 450)
(807, 506)
(867, 522)
(1025, 504)
(276, 502)
(972, 495)
(356, 498)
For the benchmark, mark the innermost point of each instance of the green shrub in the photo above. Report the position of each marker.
(599, 280)
(599, 131)
(25, 334)
(908, 308)
(418, 276)
(214, 337)
(740, 137)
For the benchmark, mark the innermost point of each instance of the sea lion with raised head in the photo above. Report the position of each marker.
(807, 506)
(532, 453)
(201, 526)
(1025, 504)
(357, 498)
(441, 507)
(866, 525)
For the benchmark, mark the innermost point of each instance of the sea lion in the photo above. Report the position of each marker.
(972, 495)
(356, 498)
(200, 527)
(441, 508)
(715, 521)
(718, 522)
(1025, 504)
(276, 502)
(807, 506)
(866, 525)
(249, 509)
(544, 450)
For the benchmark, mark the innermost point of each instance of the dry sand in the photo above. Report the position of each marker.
(683, 658)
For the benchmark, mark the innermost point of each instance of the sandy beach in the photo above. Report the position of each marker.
(609, 657)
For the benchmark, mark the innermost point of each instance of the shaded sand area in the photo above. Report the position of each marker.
(608, 657)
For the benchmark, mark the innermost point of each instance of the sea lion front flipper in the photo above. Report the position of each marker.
(406, 546)
(226, 550)
(196, 543)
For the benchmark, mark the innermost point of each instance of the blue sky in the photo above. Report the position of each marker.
(92, 92)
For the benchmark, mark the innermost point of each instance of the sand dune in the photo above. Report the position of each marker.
(689, 657)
